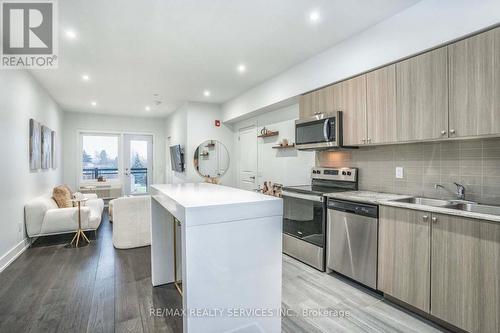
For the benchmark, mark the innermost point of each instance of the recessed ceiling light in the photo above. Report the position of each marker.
(93, 103)
(242, 68)
(71, 34)
(147, 108)
(207, 93)
(85, 77)
(314, 16)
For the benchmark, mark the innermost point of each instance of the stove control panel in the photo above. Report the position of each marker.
(344, 174)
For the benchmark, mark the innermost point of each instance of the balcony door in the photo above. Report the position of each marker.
(137, 163)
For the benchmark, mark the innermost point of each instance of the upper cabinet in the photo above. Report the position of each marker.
(449, 92)
(308, 104)
(422, 96)
(475, 85)
(381, 105)
(350, 98)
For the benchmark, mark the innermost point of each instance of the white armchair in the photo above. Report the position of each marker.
(43, 217)
(131, 222)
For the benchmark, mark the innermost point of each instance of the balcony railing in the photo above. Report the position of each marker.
(140, 174)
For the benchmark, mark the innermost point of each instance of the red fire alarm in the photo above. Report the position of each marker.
(217, 123)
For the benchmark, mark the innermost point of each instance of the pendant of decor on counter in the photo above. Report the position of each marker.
(273, 189)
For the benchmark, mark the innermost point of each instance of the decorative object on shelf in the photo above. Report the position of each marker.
(46, 147)
(263, 131)
(268, 134)
(284, 142)
(35, 145)
(101, 179)
(211, 160)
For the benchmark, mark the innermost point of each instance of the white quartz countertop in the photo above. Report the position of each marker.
(385, 199)
(204, 194)
(203, 203)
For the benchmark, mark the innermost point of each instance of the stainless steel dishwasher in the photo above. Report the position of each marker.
(352, 239)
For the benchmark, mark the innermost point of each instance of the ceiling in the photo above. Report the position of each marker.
(177, 49)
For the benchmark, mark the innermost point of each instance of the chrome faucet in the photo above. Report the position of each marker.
(460, 191)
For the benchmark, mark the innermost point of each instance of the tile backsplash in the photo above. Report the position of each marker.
(473, 163)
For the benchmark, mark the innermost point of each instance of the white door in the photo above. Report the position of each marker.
(138, 163)
(248, 158)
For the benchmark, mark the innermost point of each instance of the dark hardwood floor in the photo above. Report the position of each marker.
(96, 288)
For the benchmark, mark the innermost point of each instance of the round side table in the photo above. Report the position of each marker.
(79, 232)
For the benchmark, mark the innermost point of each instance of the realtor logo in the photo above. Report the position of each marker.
(29, 38)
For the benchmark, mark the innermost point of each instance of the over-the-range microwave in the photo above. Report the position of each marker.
(322, 131)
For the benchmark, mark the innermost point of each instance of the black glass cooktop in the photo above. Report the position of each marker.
(314, 189)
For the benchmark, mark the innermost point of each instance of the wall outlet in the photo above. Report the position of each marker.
(399, 173)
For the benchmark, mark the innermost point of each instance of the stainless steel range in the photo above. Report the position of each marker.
(305, 212)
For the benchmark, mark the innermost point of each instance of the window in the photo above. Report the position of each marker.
(99, 157)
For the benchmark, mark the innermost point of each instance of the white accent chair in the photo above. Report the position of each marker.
(43, 217)
(131, 222)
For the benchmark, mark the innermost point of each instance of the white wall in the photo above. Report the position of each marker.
(75, 122)
(22, 98)
(284, 166)
(190, 126)
(425, 25)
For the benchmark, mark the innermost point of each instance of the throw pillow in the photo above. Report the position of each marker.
(62, 196)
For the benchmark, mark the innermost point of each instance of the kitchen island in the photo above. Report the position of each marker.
(225, 246)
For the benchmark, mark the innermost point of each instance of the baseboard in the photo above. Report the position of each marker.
(15, 252)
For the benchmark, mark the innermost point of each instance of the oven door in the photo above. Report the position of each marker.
(318, 132)
(304, 228)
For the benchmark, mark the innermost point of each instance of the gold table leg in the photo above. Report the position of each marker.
(79, 232)
(177, 283)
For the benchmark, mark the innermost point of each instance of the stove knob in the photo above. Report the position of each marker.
(344, 173)
(348, 173)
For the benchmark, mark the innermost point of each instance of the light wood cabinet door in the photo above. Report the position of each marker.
(308, 104)
(475, 85)
(350, 97)
(381, 105)
(404, 255)
(325, 100)
(466, 273)
(422, 96)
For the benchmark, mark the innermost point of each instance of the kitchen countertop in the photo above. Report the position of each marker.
(378, 198)
(442, 210)
(207, 203)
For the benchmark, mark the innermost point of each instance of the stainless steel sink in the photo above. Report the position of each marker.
(426, 201)
(453, 204)
(476, 208)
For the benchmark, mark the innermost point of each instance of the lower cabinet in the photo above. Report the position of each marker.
(445, 265)
(404, 254)
(465, 273)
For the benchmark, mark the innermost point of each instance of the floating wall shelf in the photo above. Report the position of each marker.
(268, 134)
(285, 147)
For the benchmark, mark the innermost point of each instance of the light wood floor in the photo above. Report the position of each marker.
(50, 288)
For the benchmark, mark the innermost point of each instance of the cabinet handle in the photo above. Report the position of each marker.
(452, 131)
(369, 140)
(363, 140)
(425, 217)
(443, 132)
(434, 219)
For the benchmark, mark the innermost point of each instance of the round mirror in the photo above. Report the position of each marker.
(211, 159)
